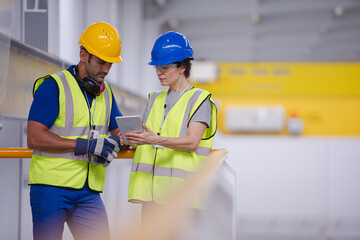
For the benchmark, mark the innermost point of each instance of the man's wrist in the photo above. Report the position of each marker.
(81, 146)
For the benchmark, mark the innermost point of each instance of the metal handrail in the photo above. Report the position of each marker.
(27, 153)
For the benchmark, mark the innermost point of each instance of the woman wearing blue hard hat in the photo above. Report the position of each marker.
(179, 123)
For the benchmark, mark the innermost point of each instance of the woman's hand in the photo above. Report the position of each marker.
(141, 138)
(186, 143)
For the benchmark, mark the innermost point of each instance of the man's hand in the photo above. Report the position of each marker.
(106, 148)
(96, 160)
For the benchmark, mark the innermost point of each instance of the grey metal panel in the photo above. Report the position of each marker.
(36, 29)
(25, 228)
(9, 181)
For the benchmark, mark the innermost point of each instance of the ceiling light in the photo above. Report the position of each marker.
(173, 23)
(339, 11)
(323, 31)
(255, 18)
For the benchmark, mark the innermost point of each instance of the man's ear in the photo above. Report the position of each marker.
(83, 55)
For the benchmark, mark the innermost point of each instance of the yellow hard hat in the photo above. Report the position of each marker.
(102, 40)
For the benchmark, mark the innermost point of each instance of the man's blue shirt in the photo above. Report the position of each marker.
(45, 106)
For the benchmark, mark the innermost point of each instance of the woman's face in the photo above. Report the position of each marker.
(169, 74)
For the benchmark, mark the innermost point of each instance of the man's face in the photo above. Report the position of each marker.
(96, 68)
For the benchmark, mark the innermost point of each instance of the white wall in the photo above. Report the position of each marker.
(71, 25)
(299, 184)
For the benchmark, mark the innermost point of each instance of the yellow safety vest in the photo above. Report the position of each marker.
(156, 170)
(73, 121)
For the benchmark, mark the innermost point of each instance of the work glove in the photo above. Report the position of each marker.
(106, 148)
(97, 160)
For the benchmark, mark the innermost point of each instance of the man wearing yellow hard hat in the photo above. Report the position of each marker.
(74, 137)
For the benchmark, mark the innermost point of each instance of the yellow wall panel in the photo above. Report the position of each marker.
(23, 70)
(275, 79)
(330, 116)
(325, 95)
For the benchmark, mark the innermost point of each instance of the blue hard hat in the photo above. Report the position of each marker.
(170, 47)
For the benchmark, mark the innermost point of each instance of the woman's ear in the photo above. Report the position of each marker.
(182, 68)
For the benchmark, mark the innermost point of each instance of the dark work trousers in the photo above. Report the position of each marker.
(82, 210)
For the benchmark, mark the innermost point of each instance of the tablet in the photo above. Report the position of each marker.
(129, 123)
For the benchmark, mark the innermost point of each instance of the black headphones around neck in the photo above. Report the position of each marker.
(89, 84)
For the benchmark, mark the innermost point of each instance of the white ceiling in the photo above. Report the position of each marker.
(264, 30)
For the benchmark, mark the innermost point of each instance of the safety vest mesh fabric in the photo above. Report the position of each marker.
(155, 171)
(73, 121)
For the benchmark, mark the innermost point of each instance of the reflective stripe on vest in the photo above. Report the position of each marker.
(160, 171)
(61, 169)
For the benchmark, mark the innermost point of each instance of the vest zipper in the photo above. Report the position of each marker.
(152, 187)
(87, 175)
